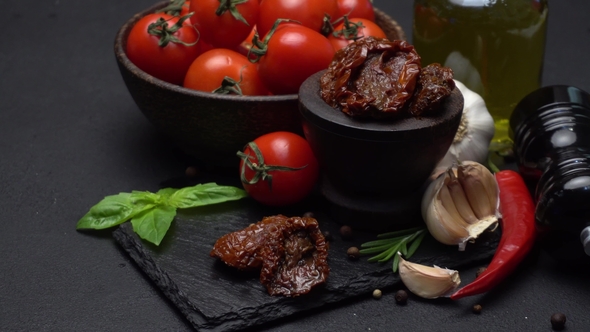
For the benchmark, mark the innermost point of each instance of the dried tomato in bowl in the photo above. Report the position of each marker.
(378, 78)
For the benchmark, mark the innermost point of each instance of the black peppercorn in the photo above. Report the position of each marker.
(401, 297)
(353, 253)
(327, 236)
(346, 232)
(476, 309)
(191, 171)
(558, 321)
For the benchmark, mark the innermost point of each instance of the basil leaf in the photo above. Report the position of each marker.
(145, 197)
(165, 193)
(152, 225)
(111, 211)
(204, 194)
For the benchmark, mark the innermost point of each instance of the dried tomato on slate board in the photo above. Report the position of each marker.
(292, 253)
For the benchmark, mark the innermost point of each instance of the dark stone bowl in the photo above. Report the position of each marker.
(208, 126)
(379, 166)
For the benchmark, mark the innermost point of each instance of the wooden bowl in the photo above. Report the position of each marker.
(208, 126)
(375, 170)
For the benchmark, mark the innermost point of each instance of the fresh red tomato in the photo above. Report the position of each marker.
(185, 8)
(209, 70)
(279, 187)
(309, 13)
(294, 53)
(170, 61)
(246, 44)
(224, 30)
(356, 8)
(358, 28)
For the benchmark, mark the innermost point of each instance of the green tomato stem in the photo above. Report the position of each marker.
(160, 29)
(225, 5)
(259, 167)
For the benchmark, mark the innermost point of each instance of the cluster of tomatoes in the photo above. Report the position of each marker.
(247, 47)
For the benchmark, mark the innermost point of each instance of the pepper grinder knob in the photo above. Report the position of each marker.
(585, 238)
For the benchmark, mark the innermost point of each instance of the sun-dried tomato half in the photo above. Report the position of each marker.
(435, 83)
(241, 249)
(372, 77)
(291, 253)
(297, 262)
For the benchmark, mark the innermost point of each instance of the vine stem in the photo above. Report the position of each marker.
(260, 169)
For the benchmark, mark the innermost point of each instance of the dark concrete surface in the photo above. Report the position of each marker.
(70, 134)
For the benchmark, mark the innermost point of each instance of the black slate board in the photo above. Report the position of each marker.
(215, 297)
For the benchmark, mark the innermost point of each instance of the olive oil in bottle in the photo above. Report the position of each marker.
(495, 47)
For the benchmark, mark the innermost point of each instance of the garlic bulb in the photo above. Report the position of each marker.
(461, 203)
(426, 281)
(475, 132)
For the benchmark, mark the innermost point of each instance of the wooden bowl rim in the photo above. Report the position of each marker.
(317, 112)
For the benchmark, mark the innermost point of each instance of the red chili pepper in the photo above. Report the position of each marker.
(518, 234)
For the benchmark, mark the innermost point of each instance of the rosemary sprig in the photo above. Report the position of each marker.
(388, 244)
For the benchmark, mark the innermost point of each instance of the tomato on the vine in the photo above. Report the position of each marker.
(163, 46)
(309, 13)
(293, 53)
(353, 29)
(282, 171)
(185, 8)
(356, 8)
(246, 44)
(224, 71)
(177, 8)
(224, 23)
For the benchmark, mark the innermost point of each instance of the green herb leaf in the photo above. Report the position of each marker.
(382, 242)
(395, 263)
(112, 211)
(415, 244)
(204, 194)
(152, 225)
(388, 245)
(166, 193)
(399, 233)
(145, 197)
(152, 213)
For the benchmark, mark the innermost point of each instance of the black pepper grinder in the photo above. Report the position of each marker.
(550, 128)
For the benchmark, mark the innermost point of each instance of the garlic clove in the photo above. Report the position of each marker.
(491, 186)
(449, 205)
(458, 205)
(427, 281)
(446, 232)
(460, 198)
(472, 180)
